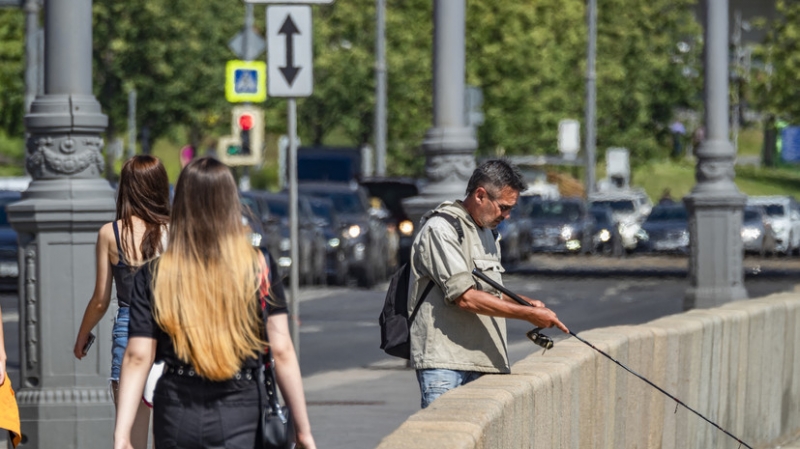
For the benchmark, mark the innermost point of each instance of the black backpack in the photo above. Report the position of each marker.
(394, 320)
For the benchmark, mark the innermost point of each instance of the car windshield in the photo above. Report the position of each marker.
(278, 208)
(668, 214)
(600, 216)
(617, 205)
(751, 215)
(556, 210)
(322, 210)
(345, 202)
(775, 210)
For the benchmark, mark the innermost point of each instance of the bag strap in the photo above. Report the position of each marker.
(456, 223)
(267, 381)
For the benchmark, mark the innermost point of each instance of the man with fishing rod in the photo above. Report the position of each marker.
(458, 332)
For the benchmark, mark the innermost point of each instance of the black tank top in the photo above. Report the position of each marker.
(123, 274)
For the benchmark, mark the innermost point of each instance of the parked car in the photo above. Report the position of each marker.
(269, 229)
(9, 249)
(562, 225)
(392, 191)
(665, 230)
(607, 239)
(783, 215)
(338, 241)
(312, 242)
(368, 261)
(757, 234)
(515, 234)
(629, 209)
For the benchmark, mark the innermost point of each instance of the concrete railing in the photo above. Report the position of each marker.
(738, 365)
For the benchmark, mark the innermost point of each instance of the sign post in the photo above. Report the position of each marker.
(290, 75)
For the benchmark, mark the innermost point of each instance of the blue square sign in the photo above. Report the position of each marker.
(246, 81)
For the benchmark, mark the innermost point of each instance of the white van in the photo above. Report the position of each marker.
(783, 215)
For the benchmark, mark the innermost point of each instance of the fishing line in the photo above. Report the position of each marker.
(547, 343)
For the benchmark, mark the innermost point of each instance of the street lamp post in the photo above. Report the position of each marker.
(450, 144)
(63, 402)
(715, 204)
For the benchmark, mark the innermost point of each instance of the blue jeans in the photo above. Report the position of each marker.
(119, 335)
(436, 382)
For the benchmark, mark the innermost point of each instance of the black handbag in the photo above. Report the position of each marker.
(276, 428)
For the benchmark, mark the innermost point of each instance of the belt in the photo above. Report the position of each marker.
(188, 371)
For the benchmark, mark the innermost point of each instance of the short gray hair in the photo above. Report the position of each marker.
(498, 173)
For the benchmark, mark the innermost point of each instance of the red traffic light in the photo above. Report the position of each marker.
(245, 122)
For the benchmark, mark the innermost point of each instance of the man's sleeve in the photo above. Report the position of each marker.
(442, 258)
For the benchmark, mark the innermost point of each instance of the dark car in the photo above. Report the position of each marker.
(368, 256)
(9, 264)
(562, 225)
(311, 241)
(338, 241)
(515, 234)
(607, 239)
(665, 230)
(267, 227)
(392, 191)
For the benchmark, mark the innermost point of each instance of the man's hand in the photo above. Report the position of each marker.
(545, 318)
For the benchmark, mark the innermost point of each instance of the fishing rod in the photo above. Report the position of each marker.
(547, 343)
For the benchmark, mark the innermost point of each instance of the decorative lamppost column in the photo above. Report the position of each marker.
(64, 403)
(449, 146)
(715, 204)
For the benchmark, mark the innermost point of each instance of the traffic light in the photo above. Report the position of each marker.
(245, 144)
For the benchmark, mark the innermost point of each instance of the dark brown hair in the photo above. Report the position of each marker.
(206, 208)
(143, 192)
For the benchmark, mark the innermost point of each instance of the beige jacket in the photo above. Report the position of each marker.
(442, 334)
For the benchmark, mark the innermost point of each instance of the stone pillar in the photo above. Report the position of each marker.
(715, 204)
(64, 402)
(449, 145)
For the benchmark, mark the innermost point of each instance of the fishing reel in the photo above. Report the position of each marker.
(540, 339)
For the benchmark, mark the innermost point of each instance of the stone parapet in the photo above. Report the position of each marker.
(737, 364)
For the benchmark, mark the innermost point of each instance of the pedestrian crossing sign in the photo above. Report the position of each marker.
(246, 81)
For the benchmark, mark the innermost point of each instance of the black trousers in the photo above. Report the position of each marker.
(189, 412)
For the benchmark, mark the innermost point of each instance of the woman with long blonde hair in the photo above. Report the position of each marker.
(197, 308)
(138, 234)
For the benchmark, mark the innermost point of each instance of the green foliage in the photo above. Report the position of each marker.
(12, 70)
(776, 93)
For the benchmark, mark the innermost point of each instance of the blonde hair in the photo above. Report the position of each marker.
(205, 283)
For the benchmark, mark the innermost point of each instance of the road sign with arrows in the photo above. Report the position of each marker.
(289, 52)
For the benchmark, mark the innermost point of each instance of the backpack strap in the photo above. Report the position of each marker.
(456, 223)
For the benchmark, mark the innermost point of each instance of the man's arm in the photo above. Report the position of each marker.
(483, 303)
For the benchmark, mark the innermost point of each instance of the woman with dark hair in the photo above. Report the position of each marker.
(198, 308)
(137, 235)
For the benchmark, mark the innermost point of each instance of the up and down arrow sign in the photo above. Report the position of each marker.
(289, 51)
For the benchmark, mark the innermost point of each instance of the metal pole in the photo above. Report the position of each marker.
(131, 123)
(31, 51)
(737, 56)
(591, 97)
(244, 181)
(715, 204)
(380, 88)
(294, 272)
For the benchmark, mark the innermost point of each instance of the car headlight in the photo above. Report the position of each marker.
(750, 233)
(354, 231)
(255, 239)
(406, 227)
(566, 232)
(285, 245)
(604, 235)
(630, 229)
(334, 242)
(641, 235)
(779, 229)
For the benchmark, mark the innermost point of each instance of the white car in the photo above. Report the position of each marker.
(629, 208)
(783, 215)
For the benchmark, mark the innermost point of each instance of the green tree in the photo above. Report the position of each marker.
(776, 92)
(12, 71)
